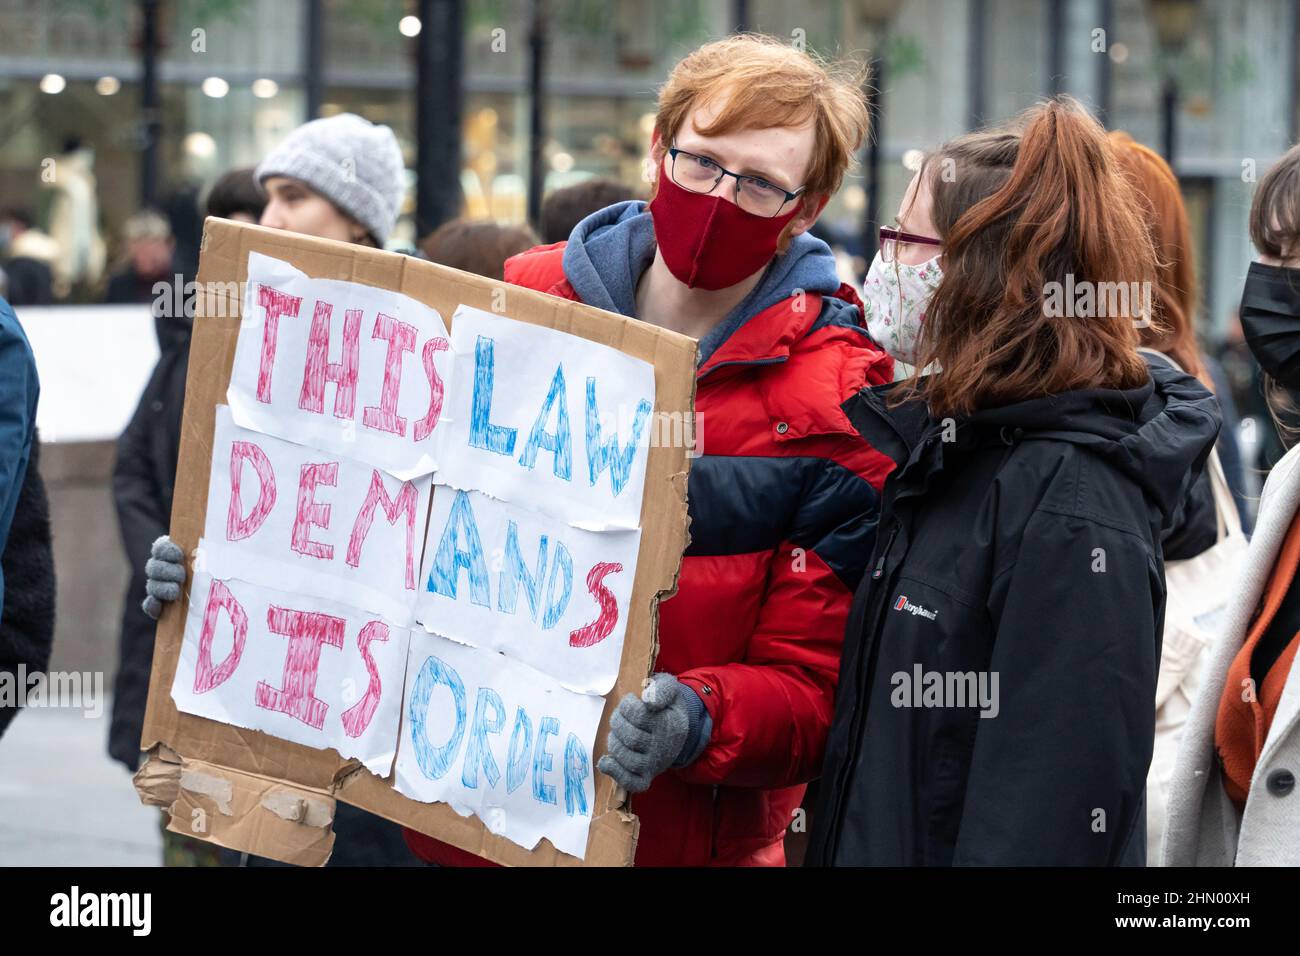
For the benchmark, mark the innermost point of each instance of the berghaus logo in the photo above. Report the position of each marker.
(903, 604)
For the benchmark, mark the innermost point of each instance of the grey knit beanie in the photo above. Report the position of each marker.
(350, 161)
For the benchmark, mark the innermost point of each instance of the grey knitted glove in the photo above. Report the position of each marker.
(667, 726)
(164, 574)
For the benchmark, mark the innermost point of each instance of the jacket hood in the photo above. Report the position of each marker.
(608, 251)
(1158, 434)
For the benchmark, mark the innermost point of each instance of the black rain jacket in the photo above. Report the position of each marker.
(1022, 543)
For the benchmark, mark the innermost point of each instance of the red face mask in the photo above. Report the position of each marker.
(708, 242)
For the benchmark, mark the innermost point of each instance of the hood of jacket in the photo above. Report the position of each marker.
(607, 253)
(1159, 434)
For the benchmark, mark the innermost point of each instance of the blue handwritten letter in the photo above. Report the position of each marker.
(453, 555)
(514, 572)
(602, 455)
(434, 761)
(576, 770)
(543, 792)
(555, 605)
(521, 744)
(482, 433)
(559, 442)
(477, 751)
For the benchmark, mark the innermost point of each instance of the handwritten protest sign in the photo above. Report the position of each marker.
(546, 421)
(495, 738)
(382, 355)
(315, 672)
(295, 657)
(313, 522)
(525, 584)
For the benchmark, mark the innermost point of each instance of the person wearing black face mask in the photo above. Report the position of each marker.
(1233, 799)
(1270, 305)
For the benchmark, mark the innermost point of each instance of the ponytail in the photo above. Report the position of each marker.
(1056, 218)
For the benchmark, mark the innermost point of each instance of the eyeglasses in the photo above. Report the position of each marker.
(891, 238)
(700, 174)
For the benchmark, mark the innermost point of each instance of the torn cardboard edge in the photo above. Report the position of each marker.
(254, 761)
(239, 811)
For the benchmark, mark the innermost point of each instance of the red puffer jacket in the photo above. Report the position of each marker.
(784, 504)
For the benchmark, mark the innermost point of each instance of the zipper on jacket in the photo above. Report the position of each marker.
(878, 571)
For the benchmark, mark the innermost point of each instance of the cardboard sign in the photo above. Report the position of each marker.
(339, 366)
(315, 672)
(551, 612)
(545, 593)
(547, 421)
(312, 522)
(489, 737)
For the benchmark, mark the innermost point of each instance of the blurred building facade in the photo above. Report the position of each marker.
(234, 73)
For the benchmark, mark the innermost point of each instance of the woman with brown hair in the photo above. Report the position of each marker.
(1171, 234)
(1176, 306)
(1207, 546)
(1233, 799)
(999, 670)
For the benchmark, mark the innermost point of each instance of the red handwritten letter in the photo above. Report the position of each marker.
(357, 717)
(206, 677)
(378, 495)
(237, 526)
(401, 338)
(276, 304)
(307, 631)
(310, 512)
(425, 425)
(603, 626)
(319, 369)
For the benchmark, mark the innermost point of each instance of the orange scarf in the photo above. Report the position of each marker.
(1246, 712)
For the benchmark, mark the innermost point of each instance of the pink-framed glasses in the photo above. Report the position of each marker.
(890, 238)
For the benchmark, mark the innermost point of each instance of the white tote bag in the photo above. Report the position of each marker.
(1198, 591)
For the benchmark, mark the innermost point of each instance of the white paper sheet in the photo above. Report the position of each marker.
(314, 672)
(495, 738)
(292, 363)
(546, 420)
(550, 595)
(317, 523)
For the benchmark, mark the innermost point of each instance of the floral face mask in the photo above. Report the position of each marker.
(895, 297)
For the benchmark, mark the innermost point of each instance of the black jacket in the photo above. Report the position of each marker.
(1023, 542)
(1194, 526)
(143, 481)
(27, 624)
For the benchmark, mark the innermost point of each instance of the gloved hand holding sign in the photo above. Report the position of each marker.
(667, 726)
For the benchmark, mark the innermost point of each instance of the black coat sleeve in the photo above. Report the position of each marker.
(1194, 526)
(27, 624)
(140, 499)
(1058, 776)
(143, 513)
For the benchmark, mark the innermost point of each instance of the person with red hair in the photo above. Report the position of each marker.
(751, 139)
(1172, 333)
